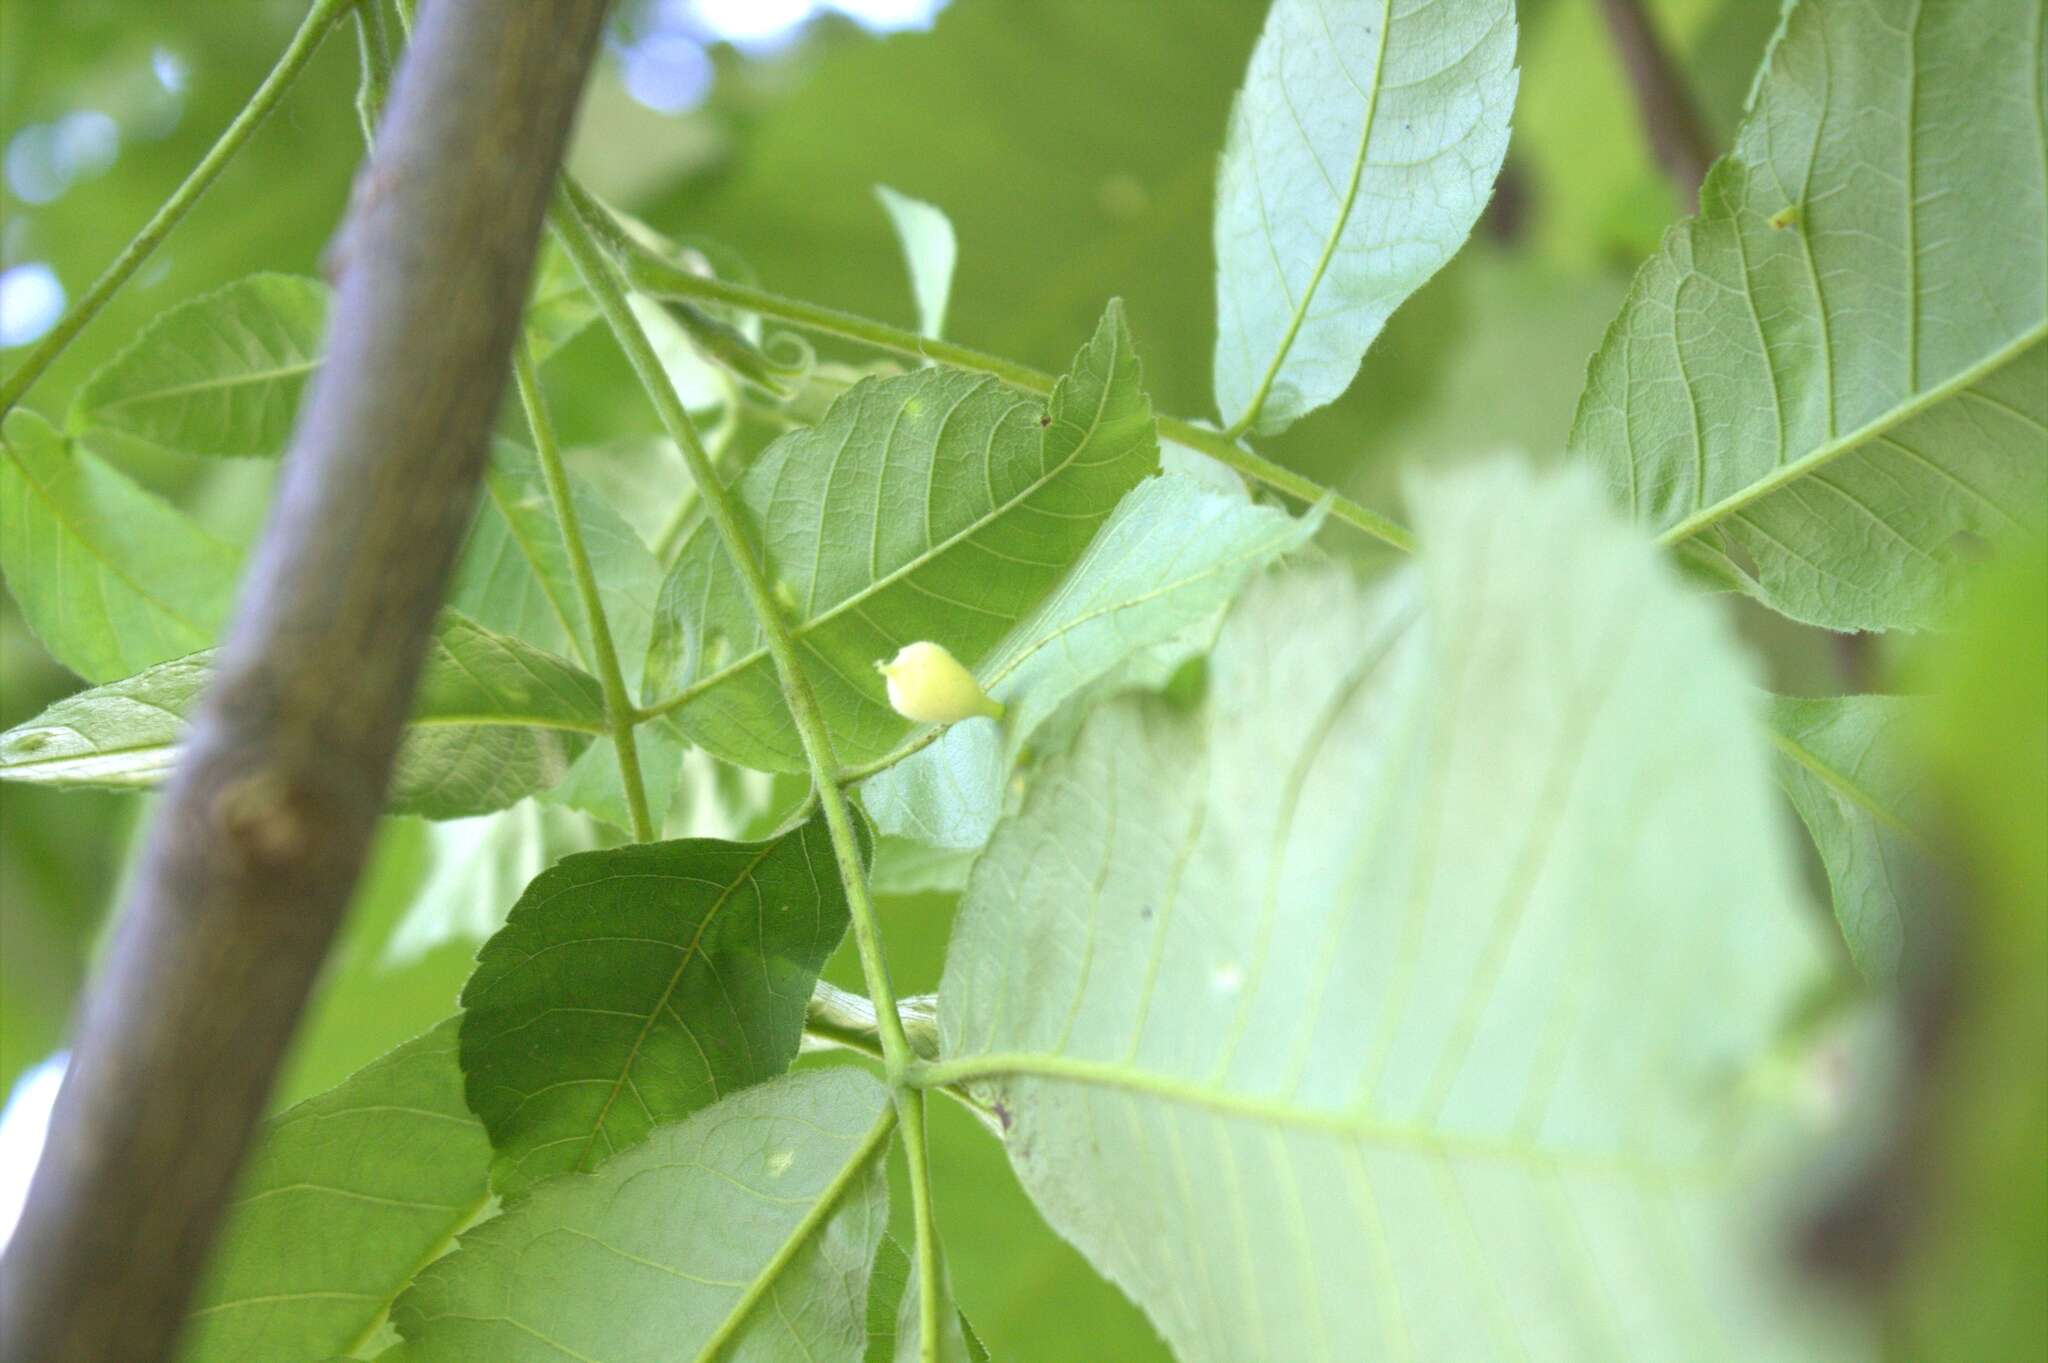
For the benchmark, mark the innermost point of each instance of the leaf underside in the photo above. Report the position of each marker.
(1407, 962)
(1361, 149)
(1840, 368)
(937, 505)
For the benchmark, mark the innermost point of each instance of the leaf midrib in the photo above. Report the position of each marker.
(803, 629)
(1870, 432)
(1341, 1125)
(801, 1235)
(1315, 280)
(217, 384)
(432, 722)
(1809, 761)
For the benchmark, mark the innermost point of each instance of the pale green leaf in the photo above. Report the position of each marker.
(1361, 149)
(633, 986)
(344, 1198)
(1400, 1002)
(494, 720)
(1840, 365)
(220, 374)
(744, 1235)
(110, 577)
(936, 505)
(1847, 767)
(929, 250)
(1166, 561)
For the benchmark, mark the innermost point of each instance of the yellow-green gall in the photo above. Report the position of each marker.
(927, 684)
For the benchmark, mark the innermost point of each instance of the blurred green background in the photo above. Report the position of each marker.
(1073, 143)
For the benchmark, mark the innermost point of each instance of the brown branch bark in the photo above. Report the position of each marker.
(262, 833)
(1678, 135)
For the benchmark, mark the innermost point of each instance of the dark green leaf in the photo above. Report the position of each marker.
(632, 987)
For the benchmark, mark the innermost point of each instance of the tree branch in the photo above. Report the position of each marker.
(1678, 135)
(262, 833)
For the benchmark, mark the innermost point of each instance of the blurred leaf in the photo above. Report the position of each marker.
(754, 1222)
(1845, 766)
(1361, 149)
(939, 505)
(493, 720)
(1840, 365)
(1974, 1290)
(1169, 557)
(110, 578)
(1240, 1074)
(929, 250)
(220, 374)
(344, 1198)
(634, 986)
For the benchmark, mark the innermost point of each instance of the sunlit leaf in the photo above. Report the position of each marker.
(1401, 1001)
(1363, 144)
(220, 374)
(110, 578)
(937, 505)
(753, 1226)
(494, 720)
(633, 986)
(344, 1198)
(1839, 367)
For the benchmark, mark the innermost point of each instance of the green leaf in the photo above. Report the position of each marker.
(929, 250)
(220, 374)
(1168, 559)
(514, 577)
(1839, 366)
(1845, 765)
(560, 306)
(1362, 147)
(110, 578)
(936, 505)
(1399, 1002)
(893, 1333)
(634, 986)
(344, 1199)
(744, 1233)
(494, 720)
